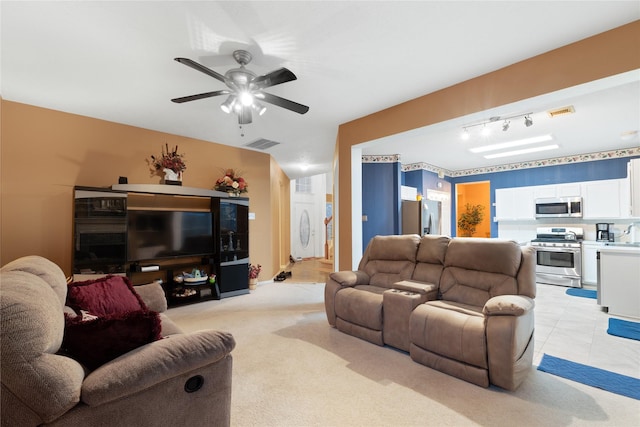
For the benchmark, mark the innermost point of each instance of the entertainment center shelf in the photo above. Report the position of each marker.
(176, 190)
(176, 229)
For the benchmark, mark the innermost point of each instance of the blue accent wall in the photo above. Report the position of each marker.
(381, 187)
(380, 200)
(425, 180)
(559, 174)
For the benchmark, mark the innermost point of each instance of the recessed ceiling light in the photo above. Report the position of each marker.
(522, 151)
(510, 144)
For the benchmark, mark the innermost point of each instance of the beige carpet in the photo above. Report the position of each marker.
(292, 369)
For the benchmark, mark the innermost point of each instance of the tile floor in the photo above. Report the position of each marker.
(575, 329)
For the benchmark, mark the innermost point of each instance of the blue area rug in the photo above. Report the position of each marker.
(594, 377)
(584, 293)
(624, 329)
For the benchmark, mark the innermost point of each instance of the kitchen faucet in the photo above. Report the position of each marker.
(632, 230)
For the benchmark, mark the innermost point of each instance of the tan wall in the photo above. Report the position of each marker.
(603, 55)
(45, 153)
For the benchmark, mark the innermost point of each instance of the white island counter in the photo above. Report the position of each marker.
(619, 279)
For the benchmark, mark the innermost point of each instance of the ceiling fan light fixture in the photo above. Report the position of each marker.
(228, 104)
(246, 98)
(245, 86)
(258, 108)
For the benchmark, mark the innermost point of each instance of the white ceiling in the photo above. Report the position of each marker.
(114, 61)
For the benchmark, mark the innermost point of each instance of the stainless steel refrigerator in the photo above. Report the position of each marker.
(421, 217)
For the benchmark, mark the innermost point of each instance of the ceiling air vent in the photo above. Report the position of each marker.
(561, 111)
(261, 144)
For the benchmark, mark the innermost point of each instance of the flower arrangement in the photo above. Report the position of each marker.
(254, 271)
(231, 183)
(167, 160)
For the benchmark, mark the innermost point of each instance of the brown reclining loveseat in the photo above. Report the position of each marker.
(463, 306)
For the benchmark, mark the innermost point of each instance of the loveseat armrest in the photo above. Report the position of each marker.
(508, 305)
(350, 278)
(510, 343)
(155, 363)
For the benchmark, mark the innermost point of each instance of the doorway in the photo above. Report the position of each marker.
(477, 197)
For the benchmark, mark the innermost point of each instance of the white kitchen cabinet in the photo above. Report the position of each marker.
(604, 199)
(569, 190)
(590, 262)
(619, 285)
(544, 191)
(515, 204)
(557, 190)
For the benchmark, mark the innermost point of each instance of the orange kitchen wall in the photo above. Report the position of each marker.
(477, 193)
(606, 54)
(45, 153)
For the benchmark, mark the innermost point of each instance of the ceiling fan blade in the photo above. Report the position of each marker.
(281, 102)
(189, 63)
(273, 78)
(200, 96)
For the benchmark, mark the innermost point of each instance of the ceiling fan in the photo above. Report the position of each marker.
(245, 88)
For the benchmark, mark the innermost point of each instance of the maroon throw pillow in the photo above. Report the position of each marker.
(106, 296)
(99, 340)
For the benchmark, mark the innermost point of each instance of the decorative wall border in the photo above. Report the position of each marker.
(579, 158)
(387, 158)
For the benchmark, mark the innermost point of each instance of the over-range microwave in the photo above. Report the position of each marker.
(559, 207)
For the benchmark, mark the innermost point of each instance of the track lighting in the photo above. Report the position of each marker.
(527, 121)
(486, 124)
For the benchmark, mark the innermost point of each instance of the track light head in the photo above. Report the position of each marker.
(527, 121)
(465, 134)
(505, 125)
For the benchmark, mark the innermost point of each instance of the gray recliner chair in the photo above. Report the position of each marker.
(182, 379)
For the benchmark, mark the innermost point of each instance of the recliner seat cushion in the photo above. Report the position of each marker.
(361, 305)
(450, 329)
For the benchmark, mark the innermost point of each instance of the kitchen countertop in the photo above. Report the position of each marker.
(620, 247)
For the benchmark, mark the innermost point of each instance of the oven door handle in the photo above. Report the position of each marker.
(564, 276)
(555, 249)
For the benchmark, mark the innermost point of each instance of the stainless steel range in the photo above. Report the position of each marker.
(559, 255)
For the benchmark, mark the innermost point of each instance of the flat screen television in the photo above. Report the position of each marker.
(168, 234)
